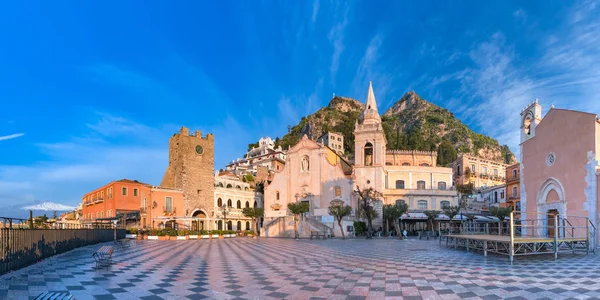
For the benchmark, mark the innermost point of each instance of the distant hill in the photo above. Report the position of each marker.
(410, 124)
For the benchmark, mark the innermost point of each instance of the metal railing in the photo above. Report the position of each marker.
(22, 247)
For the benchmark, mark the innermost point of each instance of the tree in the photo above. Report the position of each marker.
(464, 190)
(254, 213)
(248, 177)
(501, 213)
(468, 173)
(393, 213)
(431, 215)
(339, 211)
(367, 198)
(451, 212)
(297, 209)
(446, 153)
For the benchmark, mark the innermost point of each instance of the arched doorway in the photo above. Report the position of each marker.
(551, 201)
(239, 225)
(198, 224)
(220, 225)
(171, 224)
(229, 225)
(247, 225)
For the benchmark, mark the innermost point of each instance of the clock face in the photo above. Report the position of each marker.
(199, 149)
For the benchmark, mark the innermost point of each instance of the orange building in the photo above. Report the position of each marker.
(513, 186)
(145, 205)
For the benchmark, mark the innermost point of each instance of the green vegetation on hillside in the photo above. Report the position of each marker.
(411, 124)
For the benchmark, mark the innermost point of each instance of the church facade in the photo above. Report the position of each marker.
(559, 167)
(317, 174)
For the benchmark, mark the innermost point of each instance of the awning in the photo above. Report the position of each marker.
(460, 217)
(414, 216)
(483, 219)
(442, 217)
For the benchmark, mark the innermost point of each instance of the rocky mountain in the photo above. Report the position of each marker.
(411, 123)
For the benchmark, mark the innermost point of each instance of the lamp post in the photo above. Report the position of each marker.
(224, 210)
(115, 228)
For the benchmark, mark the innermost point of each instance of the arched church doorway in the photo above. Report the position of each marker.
(198, 224)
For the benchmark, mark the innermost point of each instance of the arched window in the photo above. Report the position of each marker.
(406, 164)
(422, 204)
(220, 225)
(421, 185)
(219, 202)
(247, 225)
(247, 204)
(458, 171)
(441, 185)
(338, 191)
(238, 187)
(246, 189)
(255, 204)
(527, 125)
(445, 204)
(305, 164)
(229, 203)
(229, 185)
(424, 165)
(495, 197)
(276, 195)
(220, 184)
(368, 150)
(399, 184)
(239, 204)
(514, 174)
(229, 225)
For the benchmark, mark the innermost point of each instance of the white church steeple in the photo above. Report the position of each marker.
(370, 115)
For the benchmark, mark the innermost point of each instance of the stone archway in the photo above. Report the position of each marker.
(550, 197)
(201, 220)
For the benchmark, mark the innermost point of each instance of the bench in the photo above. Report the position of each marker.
(54, 296)
(318, 234)
(103, 256)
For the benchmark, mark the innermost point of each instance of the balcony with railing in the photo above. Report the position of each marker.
(423, 192)
(512, 179)
(169, 210)
(513, 197)
(99, 200)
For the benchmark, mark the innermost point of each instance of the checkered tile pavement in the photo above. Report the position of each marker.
(245, 268)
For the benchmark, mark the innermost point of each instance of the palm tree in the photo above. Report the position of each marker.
(501, 213)
(366, 200)
(297, 209)
(339, 211)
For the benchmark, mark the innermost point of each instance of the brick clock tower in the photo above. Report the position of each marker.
(191, 168)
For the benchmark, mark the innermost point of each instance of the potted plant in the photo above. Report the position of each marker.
(160, 235)
(204, 234)
(193, 235)
(217, 234)
(182, 235)
(131, 233)
(249, 233)
(171, 234)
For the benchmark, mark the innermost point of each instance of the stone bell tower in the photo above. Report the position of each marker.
(191, 168)
(369, 152)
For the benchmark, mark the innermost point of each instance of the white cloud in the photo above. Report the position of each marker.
(336, 37)
(315, 11)
(12, 136)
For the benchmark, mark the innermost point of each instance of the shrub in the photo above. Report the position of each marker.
(249, 232)
(132, 231)
(183, 232)
(360, 227)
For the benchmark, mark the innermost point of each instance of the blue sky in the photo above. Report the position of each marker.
(91, 92)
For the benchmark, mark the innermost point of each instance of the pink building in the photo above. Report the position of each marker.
(559, 167)
(313, 173)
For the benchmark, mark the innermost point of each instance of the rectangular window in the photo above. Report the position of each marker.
(124, 191)
(473, 168)
(135, 192)
(420, 185)
(495, 172)
(338, 191)
(484, 170)
(169, 204)
(514, 174)
(514, 192)
(441, 185)
(422, 204)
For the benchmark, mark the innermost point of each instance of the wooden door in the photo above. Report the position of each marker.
(551, 214)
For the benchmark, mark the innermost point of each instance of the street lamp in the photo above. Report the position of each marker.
(224, 210)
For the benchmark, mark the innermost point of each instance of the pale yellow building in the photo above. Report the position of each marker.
(413, 177)
(481, 172)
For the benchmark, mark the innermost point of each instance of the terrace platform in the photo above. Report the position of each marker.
(551, 235)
